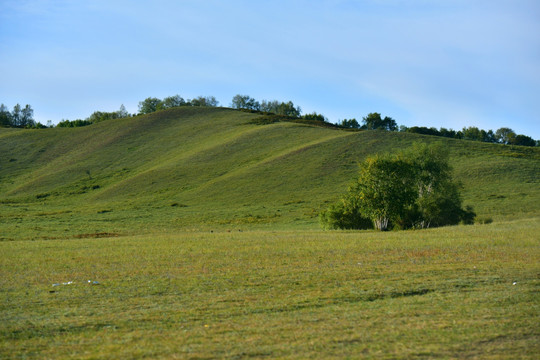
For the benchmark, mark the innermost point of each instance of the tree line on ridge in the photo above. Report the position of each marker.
(22, 117)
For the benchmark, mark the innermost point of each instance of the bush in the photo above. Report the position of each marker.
(338, 216)
(314, 117)
(74, 123)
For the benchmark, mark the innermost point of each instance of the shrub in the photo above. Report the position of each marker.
(339, 216)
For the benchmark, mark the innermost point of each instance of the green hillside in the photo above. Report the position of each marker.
(193, 233)
(208, 168)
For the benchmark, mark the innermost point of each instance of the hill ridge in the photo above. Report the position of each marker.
(223, 169)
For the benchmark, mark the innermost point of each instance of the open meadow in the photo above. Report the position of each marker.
(459, 292)
(193, 234)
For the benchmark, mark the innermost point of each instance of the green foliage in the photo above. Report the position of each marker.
(505, 135)
(349, 124)
(152, 104)
(314, 117)
(208, 101)
(281, 108)
(171, 102)
(476, 134)
(373, 121)
(383, 190)
(224, 169)
(341, 215)
(27, 117)
(438, 200)
(245, 102)
(422, 130)
(413, 189)
(523, 140)
(19, 117)
(5, 116)
(149, 105)
(96, 117)
(74, 123)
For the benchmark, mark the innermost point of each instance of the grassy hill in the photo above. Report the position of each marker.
(208, 168)
(133, 256)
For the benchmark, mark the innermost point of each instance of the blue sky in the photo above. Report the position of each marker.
(441, 63)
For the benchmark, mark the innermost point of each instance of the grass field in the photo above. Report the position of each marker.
(200, 229)
(206, 169)
(460, 292)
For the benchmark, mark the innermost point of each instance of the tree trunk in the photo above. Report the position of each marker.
(381, 224)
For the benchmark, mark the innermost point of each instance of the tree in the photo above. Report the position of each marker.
(98, 116)
(288, 109)
(383, 190)
(449, 133)
(269, 106)
(490, 136)
(209, 101)
(122, 112)
(16, 116)
(5, 116)
(74, 123)
(314, 117)
(171, 102)
(245, 102)
(374, 121)
(27, 117)
(438, 201)
(505, 135)
(349, 124)
(523, 140)
(472, 133)
(476, 134)
(389, 124)
(423, 130)
(281, 108)
(149, 105)
(412, 189)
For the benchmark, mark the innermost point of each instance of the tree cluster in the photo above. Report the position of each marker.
(153, 104)
(23, 117)
(97, 116)
(374, 121)
(412, 189)
(503, 135)
(18, 117)
(349, 124)
(245, 102)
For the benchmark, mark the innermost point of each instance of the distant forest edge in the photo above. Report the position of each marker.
(275, 111)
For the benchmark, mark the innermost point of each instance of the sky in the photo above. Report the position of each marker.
(434, 63)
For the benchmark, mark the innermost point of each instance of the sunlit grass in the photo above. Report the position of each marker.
(200, 229)
(455, 292)
(210, 169)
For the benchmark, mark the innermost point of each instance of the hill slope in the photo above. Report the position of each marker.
(205, 168)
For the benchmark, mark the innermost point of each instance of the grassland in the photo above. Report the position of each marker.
(203, 169)
(461, 292)
(200, 228)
